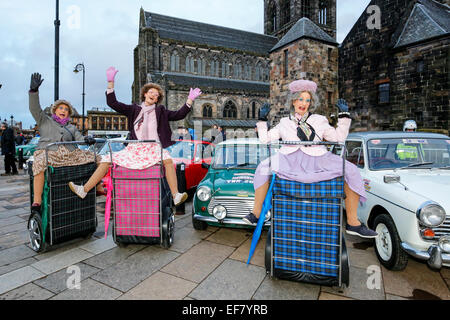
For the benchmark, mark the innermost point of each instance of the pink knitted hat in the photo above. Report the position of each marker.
(302, 85)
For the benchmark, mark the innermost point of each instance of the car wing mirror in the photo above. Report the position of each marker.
(205, 165)
(391, 178)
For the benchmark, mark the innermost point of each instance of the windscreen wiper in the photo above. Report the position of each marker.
(412, 165)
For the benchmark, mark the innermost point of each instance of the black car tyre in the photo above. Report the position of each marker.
(35, 233)
(388, 244)
(197, 224)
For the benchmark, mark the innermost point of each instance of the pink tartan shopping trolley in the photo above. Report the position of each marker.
(141, 202)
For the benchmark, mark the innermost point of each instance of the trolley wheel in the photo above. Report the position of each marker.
(268, 252)
(35, 233)
(197, 224)
(168, 232)
(345, 265)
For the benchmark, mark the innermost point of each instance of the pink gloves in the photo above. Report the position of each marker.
(194, 93)
(111, 73)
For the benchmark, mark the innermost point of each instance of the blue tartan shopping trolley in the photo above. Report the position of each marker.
(305, 242)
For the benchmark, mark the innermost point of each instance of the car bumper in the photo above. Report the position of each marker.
(224, 221)
(435, 256)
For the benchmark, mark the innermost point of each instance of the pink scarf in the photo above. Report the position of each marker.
(145, 130)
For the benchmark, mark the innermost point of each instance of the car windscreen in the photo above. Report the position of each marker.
(398, 153)
(115, 147)
(182, 149)
(245, 156)
(35, 140)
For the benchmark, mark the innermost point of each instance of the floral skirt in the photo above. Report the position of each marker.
(138, 156)
(61, 158)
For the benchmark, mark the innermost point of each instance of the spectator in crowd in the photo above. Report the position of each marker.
(8, 150)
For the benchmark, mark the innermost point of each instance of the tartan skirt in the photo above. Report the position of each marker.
(301, 167)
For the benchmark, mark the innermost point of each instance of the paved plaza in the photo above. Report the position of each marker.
(201, 265)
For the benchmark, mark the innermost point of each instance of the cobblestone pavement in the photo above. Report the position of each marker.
(200, 265)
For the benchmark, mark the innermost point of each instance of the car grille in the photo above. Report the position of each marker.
(236, 207)
(443, 230)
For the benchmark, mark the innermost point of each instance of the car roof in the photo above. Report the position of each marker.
(252, 141)
(368, 135)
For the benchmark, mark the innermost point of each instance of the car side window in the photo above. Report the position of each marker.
(355, 153)
(199, 152)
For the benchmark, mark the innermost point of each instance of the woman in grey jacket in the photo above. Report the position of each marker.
(54, 128)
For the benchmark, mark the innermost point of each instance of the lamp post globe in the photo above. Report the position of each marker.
(80, 67)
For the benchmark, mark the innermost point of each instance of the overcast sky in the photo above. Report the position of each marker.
(100, 34)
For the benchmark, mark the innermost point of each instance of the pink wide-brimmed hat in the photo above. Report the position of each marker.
(302, 85)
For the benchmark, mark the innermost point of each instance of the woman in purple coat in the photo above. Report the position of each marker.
(147, 121)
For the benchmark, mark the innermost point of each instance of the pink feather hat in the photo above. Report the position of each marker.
(302, 85)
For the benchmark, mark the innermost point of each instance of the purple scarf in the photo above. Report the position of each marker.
(62, 122)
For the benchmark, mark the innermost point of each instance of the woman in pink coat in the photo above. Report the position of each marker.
(309, 164)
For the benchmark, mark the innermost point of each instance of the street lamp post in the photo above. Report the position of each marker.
(12, 118)
(80, 67)
(57, 24)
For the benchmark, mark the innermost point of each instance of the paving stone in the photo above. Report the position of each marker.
(113, 256)
(329, 296)
(160, 286)
(362, 258)
(445, 272)
(14, 254)
(12, 213)
(416, 276)
(130, 272)
(63, 247)
(276, 289)
(99, 246)
(23, 225)
(358, 288)
(242, 252)
(10, 220)
(61, 261)
(392, 297)
(57, 282)
(230, 237)
(186, 238)
(18, 278)
(356, 242)
(14, 239)
(197, 263)
(27, 292)
(232, 280)
(89, 290)
(17, 265)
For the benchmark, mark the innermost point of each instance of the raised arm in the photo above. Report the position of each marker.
(183, 111)
(340, 133)
(33, 94)
(111, 99)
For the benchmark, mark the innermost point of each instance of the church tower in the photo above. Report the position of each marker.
(281, 15)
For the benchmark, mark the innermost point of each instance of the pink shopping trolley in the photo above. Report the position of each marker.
(141, 202)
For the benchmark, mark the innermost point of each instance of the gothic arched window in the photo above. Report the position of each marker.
(272, 12)
(229, 110)
(305, 8)
(285, 11)
(174, 61)
(202, 66)
(322, 18)
(207, 111)
(253, 110)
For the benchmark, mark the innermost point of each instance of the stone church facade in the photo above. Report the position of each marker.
(401, 71)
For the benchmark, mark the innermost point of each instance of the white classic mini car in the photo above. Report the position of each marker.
(407, 180)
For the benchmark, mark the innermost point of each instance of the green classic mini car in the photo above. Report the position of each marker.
(27, 149)
(226, 193)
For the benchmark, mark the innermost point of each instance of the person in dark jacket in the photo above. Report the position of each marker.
(8, 150)
(147, 121)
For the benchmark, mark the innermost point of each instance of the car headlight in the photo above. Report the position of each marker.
(431, 214)
(444, 243)
(204, 193)
(219, 212)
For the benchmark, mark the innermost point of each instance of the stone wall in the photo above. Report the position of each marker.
(310, 60)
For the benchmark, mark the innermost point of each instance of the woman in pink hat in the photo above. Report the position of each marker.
(309, 164)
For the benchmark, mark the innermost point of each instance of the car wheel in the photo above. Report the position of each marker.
(388, 245)
(197, 224)
(35, 233)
